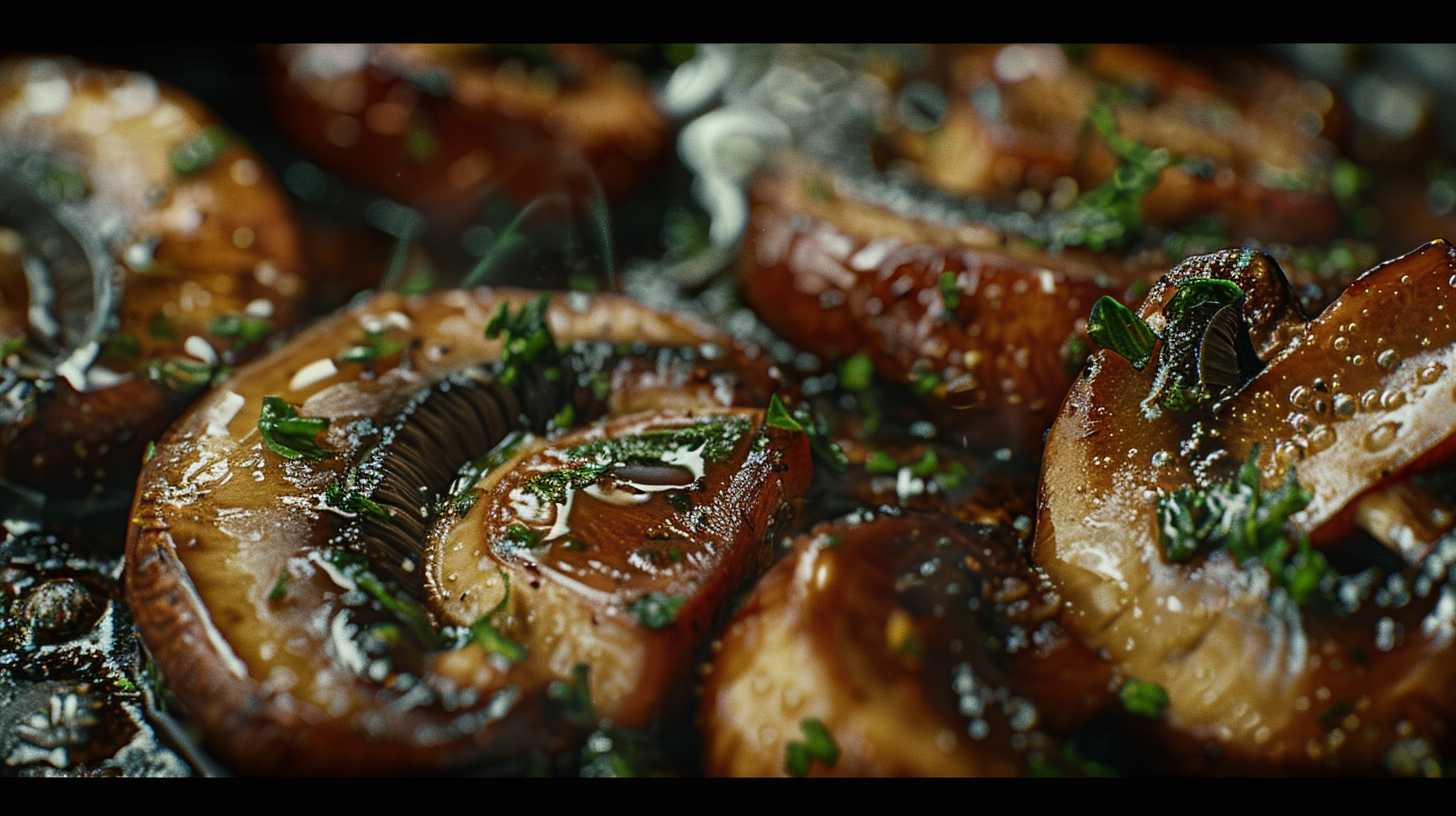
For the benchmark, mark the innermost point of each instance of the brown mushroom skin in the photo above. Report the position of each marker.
(576, 597)
(1267, 166)
(218, 518)
(837, 275)
(215, 241)
(1192, 628)
(896, 632)
(434, 125)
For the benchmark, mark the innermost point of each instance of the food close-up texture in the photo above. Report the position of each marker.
(717, 410)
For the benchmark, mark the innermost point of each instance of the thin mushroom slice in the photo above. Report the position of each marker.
(896, 644)
(293, 628)
(614, 548)
(1187, 538)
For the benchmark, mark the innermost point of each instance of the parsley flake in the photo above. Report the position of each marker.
(1143, 699)
(817, 744)
(656, 610)
(288, 434)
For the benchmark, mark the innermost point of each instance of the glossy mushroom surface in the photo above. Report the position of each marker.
(144, 248)
(241, 562)
(1344, 407)
(921, 646)
(435, 125)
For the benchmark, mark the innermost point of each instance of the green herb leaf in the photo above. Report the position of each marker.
(372, 348)
(483, 631)
(1108, 214)
(184, 375)
(950, 294)
(353, 503)
(355, 567)
(245, 327)
(826, 449)
(924, 382)
(656, 610)
(573, 697)
(1118, 329)
(527, 341)
(881, 463)
(201, 152)
(1143, 699)
(12, 346)
(62, 183)
(856, 373)
(778, 416)
(289, 435)
(280, 588)
(816, 745)
(1198, 292)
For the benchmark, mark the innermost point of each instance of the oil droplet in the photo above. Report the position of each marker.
(1320, 438)
(1341, 343)
(1387, 359)
(1382, 436)
(1299, 397)
(1431, 373)
(1344, 405)
(1391, 399)
(1287, 453)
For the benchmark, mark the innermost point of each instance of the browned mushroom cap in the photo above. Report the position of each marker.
(974, 318)
(920, 645)
(434, 125)
(1346, 407)
(291, 630)
(144, 249)
(1250, 150)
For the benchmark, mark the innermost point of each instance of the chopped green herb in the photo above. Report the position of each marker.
(184, 375)
(1249, 522)
(817, 744)
(355, 568)
(348, 501)
(924, 382)
(656, 610)
(952, 476)
(483, 631)
(150, 451)
(1118, 329)
(573, 697)
(819, 442)
(374, 346)
(679, 499)
(713, 439)
(881, 463)
(280, 588)
(778, 416)
(950, 294)
(527, 341)
(926, 465)
(1200, 292)
(1108, 214)
(201, 152)
(565, 418)
(519, 536)
(614, 753)
(12, 346)
(1143, 699)
(245, 327)
(161, 328)
(856, 373)
(63, 183)
(124, 684)
(288, 434)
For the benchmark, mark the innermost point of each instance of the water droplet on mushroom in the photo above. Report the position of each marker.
(1299, 397)
(1344, 405)
(1370, 400)
(1287, 453)
(1381, 436)
(1341, 343)
(1431, 373)
(1300, 422)
(1320, 437)
(1387, 359)
(1392, 399)
(1161, 458)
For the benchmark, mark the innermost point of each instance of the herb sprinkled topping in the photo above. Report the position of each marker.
(288, 434)
(1108, 214)
(1249, 522)
(527, 341)
(1143, 699)
(200, 152)
(483, 631)
(656, 610)
(817, 744)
